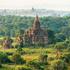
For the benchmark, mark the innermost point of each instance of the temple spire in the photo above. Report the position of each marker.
(36, 24)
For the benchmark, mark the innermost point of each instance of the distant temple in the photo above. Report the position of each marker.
(36, 34)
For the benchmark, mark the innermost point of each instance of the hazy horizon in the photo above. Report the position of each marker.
(63, 5)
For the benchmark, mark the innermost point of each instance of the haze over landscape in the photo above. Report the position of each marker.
(38, 4)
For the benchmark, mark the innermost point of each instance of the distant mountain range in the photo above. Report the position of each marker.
(33, 12)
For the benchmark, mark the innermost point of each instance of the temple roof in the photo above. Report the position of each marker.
(36, 24)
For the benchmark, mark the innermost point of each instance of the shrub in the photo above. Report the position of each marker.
(60, 45)
(43, 58)
(0, 65)
(23, 68)
(16, 58)
(50, 59)
(66, 58)
(36, 65)
(19, 50)
(58, 65)
(4, 58)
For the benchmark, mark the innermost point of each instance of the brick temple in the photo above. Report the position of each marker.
(36, 34)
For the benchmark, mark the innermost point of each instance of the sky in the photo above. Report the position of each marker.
(37, 4)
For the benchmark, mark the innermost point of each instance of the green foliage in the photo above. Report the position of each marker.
(66, 31)
(58, 29)
(19, 50)
(51, 36)
(43, 58)
(13, 25)
(66, 58)
(4, 58)
(22, 68)
(36, 65)
(58, 65)
(17, 59)
(60, 37)
(60, 45)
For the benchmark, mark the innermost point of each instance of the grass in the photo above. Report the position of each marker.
(33, 54)
(31, 57)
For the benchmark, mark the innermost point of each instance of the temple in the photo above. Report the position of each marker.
(36, 34)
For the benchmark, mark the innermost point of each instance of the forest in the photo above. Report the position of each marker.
(53, 56)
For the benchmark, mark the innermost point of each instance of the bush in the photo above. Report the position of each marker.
(58, 65)
(66, 58)
(0, 65)
(19, 50)
(43, 58)
(37, 65)
(16, 58)
(60, 46)
(23, 68)
(50, 59)
(4, 58)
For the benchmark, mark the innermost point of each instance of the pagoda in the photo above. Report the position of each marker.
(36, 34)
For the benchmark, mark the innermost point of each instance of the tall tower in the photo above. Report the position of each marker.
(36, 24)
(36, 35)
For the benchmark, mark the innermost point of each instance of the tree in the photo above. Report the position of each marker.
(43, 58)
(4, 58)
(66, 31)
(66, 58)
(51, 36)
(58, 65)
(19, 50)
(36, 65)
(60, 45)
(16, 58)
(60, 37)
